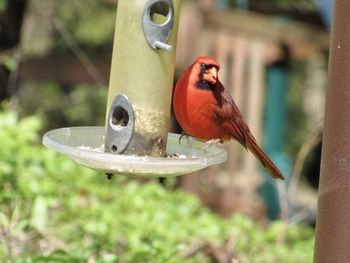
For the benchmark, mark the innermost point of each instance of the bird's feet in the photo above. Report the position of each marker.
(212, 142)
(183, 134)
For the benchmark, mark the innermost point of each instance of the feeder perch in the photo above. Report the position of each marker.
(83, 145)
(135, 139)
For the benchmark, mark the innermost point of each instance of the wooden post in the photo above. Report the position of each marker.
(256, 99)
(333, 224)
(237, 73)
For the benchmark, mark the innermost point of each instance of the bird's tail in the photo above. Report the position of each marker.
(269, 166)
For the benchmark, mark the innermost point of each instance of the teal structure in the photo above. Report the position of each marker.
(275, 124)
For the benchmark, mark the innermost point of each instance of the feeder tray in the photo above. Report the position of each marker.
(85, 146)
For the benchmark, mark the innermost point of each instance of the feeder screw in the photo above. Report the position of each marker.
(162, 45)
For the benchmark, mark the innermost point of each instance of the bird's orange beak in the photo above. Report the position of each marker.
(211, 75)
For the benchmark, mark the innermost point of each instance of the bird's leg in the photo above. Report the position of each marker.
(212, 142)
(183, 134)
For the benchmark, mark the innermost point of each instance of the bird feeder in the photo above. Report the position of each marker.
(135, 139)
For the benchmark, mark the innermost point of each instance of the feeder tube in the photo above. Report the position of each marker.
(333, 215)
(144, 73)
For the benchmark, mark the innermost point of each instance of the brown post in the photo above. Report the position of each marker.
(333, 218)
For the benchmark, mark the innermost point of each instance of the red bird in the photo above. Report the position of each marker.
(205, 109)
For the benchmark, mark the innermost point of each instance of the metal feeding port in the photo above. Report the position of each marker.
(157, 35)
(135, 139)
(120, 125)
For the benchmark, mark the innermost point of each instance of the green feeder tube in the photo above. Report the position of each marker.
(143, 65)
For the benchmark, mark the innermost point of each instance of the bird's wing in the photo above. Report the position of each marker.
(231, 121)
(229, 116)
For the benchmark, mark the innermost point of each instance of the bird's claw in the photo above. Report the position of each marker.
(212, 142)
(184, 135)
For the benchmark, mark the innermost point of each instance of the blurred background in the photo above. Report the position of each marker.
(54, 69)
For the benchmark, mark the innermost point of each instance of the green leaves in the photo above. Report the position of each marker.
(39, 214)
(91, 22)
(8, 61)
(3, 4)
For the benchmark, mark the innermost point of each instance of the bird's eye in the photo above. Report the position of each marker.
(202, 66)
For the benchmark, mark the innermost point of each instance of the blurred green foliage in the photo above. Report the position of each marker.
(9, 62)
(81, 105)
(303, 5)
(91, 22)
(53, 210)
(3, 4)
(90, 25)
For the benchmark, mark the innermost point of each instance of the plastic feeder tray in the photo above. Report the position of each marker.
(85, 146)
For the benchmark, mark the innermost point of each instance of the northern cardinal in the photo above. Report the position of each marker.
(205, 110)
